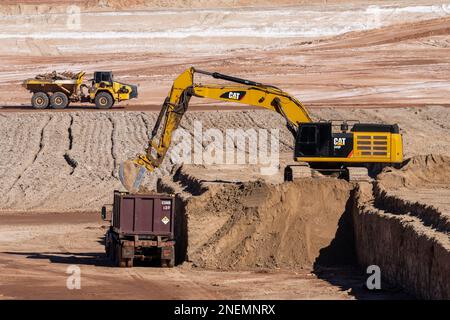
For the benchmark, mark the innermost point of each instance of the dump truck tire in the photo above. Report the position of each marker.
(167, 263)
(129, 263)
(108, 245)
(40, 100)
(59, 100)
(103, 100)
(119, 261)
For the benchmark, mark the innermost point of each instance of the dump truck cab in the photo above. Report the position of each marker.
(104, 91)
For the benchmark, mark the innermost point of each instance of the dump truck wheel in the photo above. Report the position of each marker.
(167, 263)
(112, 253)
(103, 100)
(107, 249)
(108, 245)
(119, 261)
(40, 100)
(59, 100)
(170, 263)
(129, 263)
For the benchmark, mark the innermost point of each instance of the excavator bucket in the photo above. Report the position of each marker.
(131, 175)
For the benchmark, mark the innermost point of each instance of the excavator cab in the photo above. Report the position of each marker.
(316, 142)
(314, 139)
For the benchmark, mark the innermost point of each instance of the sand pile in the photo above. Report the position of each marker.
(260, 225)
(417, 172)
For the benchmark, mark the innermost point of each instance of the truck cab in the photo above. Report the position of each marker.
(104, 91)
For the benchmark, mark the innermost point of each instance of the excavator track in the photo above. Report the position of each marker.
(297, 171)
(358, 174)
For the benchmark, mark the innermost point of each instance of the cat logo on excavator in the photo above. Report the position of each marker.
(233, 95)
(339, 141)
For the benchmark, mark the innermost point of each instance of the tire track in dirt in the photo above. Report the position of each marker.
(48, 173)
(27, 166)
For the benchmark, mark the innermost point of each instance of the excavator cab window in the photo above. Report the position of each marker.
(308, 135)
(313, 140)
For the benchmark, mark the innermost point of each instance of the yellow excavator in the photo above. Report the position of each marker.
(352, 150)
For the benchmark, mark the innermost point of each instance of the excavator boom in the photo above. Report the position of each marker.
(176, 104)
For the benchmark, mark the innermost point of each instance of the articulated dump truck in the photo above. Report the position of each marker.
(58, 90)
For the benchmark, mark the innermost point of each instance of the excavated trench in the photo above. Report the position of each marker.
(315, 223)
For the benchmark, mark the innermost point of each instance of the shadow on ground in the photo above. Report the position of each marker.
(337, 263)
(79, 258)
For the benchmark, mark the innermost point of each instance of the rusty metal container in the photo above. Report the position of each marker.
(142, 214)
(142, 227)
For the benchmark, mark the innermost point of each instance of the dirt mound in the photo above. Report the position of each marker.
(66, 75)
(260, 225)
(418, 171)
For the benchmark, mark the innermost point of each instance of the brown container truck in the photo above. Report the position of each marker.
(142, 227)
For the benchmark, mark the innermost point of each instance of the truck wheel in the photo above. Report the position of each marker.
(107, 249)
(108, 246)
(167, 263)
(59, 100)
(103, 100)
(129, 263)
(170, 263)
(40, 100)
(119, 261)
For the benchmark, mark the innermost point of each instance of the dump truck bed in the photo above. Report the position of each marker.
(67, 82)
(143, 214)
(34, 85)
(142, 227)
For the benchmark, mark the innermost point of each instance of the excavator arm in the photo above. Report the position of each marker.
(177, 102)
